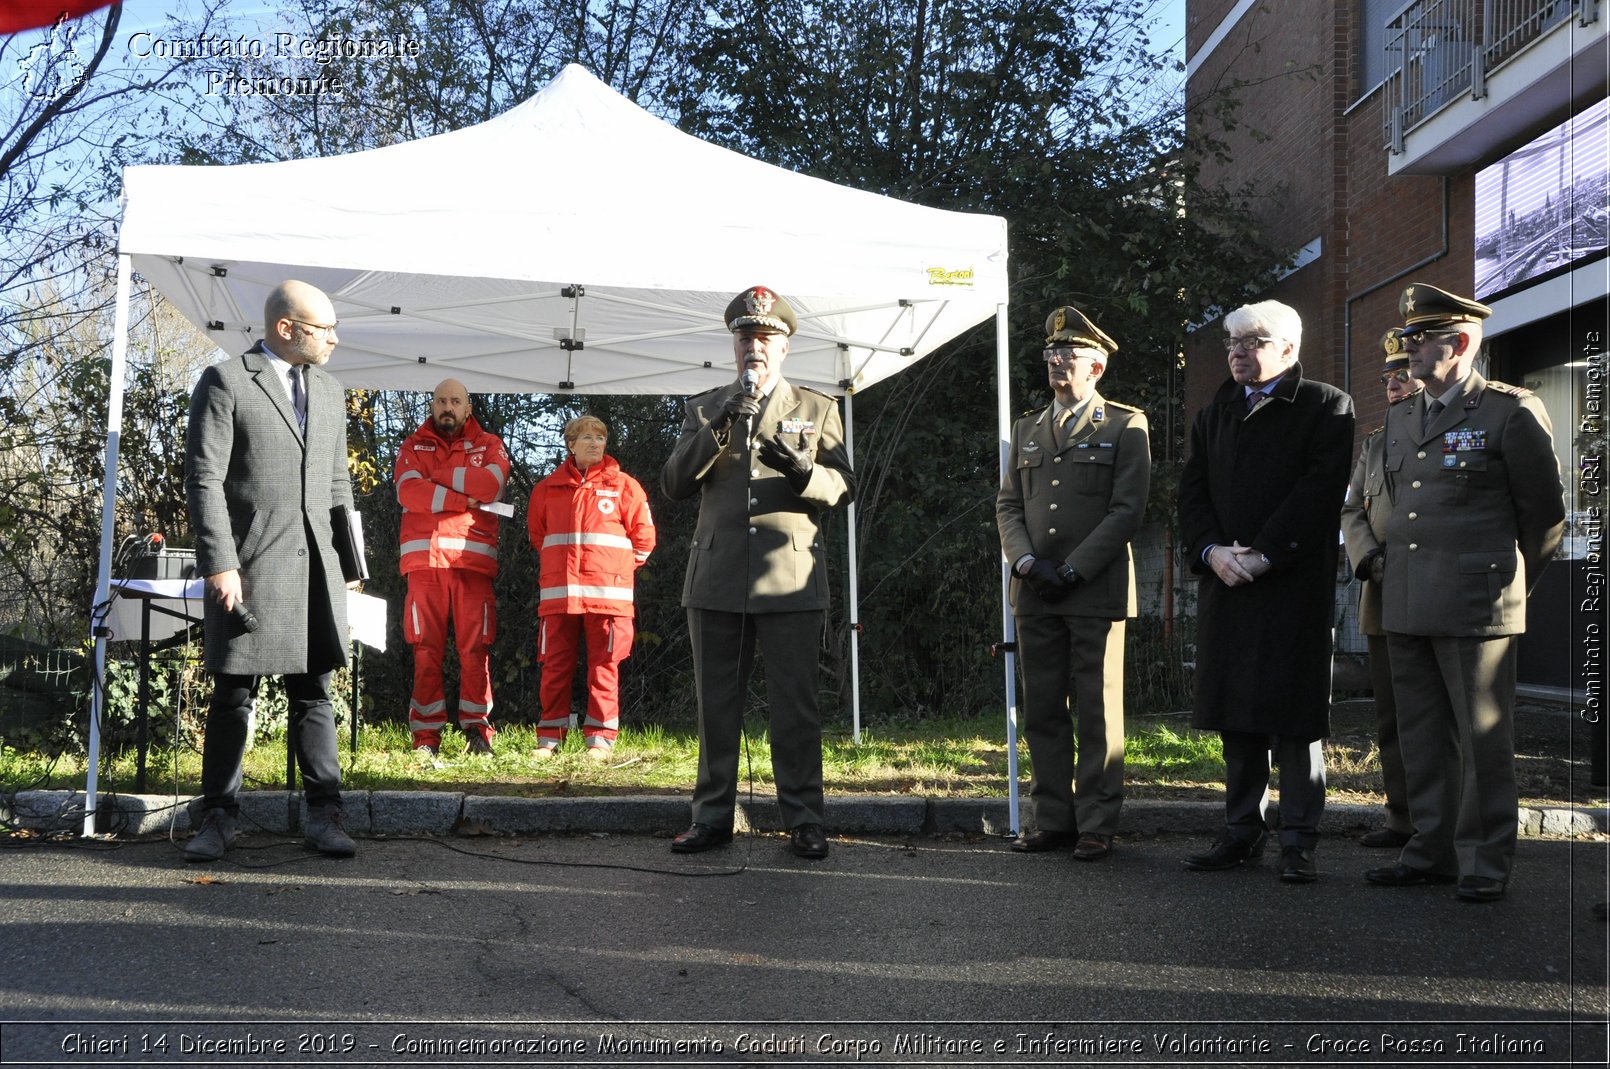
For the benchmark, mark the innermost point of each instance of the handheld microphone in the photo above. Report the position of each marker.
(244, 616)
(751, 387)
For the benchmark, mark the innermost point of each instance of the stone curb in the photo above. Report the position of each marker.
(379, 813)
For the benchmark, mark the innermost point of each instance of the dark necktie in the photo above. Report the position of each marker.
(1253, 398)
(299, 397)
(1433, 410)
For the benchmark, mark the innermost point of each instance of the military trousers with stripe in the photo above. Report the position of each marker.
(609, 642)
(438, 598)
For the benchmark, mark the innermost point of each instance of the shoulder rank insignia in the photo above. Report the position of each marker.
(1119, 405)
(1503, 387)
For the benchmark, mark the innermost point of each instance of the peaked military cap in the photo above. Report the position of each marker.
(1069, 326)
(1396, 355)
(1425, 306)
(758, 308)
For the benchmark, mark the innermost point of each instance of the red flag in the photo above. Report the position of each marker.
(29, 14)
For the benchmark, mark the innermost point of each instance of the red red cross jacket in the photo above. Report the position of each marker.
(436, 479)
(591, 532)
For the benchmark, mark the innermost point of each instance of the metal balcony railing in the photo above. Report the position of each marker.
(1441, 49)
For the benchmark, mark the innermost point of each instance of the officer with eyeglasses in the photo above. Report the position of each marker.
(1364, 531)
(1475, 509)
(1070, 501)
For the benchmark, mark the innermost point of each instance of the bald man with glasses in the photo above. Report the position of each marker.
(1475, 509)
(265, 463)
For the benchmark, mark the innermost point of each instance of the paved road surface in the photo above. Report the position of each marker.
(610, 950)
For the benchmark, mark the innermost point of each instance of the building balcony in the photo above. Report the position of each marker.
(1472, 79)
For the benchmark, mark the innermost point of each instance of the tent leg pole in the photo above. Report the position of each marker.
(103, 570)
(1008, 625)
(855, 585)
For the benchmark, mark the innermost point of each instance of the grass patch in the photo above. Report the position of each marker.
(948, 758)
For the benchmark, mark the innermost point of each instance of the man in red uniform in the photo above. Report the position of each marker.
(446, 471)
(590, 524)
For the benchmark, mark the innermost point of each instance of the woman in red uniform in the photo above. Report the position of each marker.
(590, 525)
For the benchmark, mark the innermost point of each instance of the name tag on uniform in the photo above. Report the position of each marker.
(607, 493)
(796, 426)
(1466, 440)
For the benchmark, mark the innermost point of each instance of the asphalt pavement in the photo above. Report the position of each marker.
(605, 949)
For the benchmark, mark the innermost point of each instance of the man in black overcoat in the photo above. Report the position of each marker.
(1260, 503)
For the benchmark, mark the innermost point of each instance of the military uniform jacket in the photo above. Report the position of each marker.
(259, 495)
(1080, 504)
(757, 546)
(1477, 510)
(1364, 525)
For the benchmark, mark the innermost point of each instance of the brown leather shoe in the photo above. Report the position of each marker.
(1042, 839)
(699, 838)
(1092, 847)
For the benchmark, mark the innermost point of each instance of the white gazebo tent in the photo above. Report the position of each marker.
(573, 244)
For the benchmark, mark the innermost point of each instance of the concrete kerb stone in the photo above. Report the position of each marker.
(523, 816)
(444, 813)
(405, 812)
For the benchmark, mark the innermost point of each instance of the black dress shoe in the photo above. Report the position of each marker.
(1227, 854)
(1042, 839)
(1385, 838)
(699, 838)
(1401, 875)
(809, 840)
(1092, 847)
(1480, 889)
(1297, 865)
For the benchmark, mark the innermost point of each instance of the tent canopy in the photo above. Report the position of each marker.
(490, 252)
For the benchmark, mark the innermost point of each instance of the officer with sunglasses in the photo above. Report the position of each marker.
(1475, 509)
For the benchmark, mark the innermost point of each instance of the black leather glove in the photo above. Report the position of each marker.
(1377, 567)
(795, 464)
(1045, 581)
(1069, 576)
(739, 407)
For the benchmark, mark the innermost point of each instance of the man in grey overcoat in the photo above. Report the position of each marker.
(767, 459)
(265, 463)
(1260, 504)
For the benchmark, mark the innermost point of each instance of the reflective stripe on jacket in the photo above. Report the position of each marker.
(436, 479)
(591, 532)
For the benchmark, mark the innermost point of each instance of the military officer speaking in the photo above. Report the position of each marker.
(1071, 499)
(767, 459)
(1476, 509)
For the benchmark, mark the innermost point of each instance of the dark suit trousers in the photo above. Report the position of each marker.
(1387, 736)
(1456, 702)
(312, 725)
(1075, 661)
(1246, 786)
(723, 656)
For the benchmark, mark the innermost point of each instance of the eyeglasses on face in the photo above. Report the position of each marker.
(328, 330)
(1063, 354)
(1426, 337)
(1400, 375)
(1249, 343)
